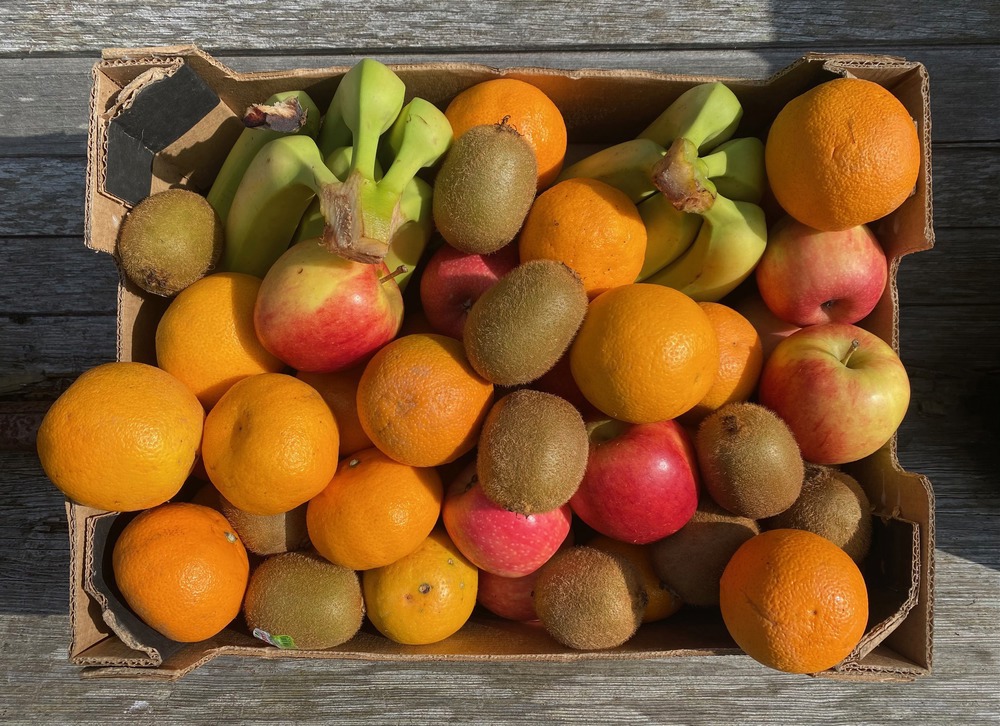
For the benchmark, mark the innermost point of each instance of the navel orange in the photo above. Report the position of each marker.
(843, 153)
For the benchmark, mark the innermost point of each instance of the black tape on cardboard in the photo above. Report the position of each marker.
(160, 113)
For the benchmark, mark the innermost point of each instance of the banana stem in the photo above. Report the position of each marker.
(681, 176)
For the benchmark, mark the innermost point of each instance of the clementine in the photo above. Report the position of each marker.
(794, 601)
(374, 511)
(843, 153)
(183, 570)
(420, 400)
(124, 436)
(644, 353)
(270, 444)
(425, 596)
(206, 336)
(590, 226)
(526, 107)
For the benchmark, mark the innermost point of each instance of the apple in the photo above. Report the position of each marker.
(808, 277)
(641, 483)
(559, 382)
(771, 329)
(842, 391)
(508, 597)
(320, 313)
(512, 597)
(495, 539)
(452, 281)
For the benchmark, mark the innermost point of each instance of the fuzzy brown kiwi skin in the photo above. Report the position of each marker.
(484, 188)
(691, 561)
(302, 596)
(520, 327)
(834, 505)
(749, 460)
(268, 534)
(170, 240)
(588, 599)
(532, 453)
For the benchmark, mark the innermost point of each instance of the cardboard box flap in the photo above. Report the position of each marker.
(147, 647)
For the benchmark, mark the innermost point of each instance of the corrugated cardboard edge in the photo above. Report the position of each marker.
(871, 665)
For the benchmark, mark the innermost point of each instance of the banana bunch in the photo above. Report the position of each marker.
(328, 182)
(690, 247)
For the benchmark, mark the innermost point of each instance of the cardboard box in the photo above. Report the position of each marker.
(167, 116)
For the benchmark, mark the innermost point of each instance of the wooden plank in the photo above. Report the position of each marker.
(50, 110)
(56, 276)
(41, 355)
(32, 27)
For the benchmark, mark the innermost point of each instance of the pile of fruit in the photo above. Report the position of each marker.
(413, 362)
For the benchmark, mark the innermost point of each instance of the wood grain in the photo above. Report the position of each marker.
(355, 25)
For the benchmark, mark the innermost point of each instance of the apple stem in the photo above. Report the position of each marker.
(850, 351)
(393, 275)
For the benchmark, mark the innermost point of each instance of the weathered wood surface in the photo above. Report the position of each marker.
(57, 318)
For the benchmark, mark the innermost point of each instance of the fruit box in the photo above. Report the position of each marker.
(167, 116)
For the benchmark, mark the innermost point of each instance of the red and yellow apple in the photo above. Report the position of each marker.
(807, 277)
(320, 313)
(498, 540)
(842, 390)
(452, 281)
(641, 481)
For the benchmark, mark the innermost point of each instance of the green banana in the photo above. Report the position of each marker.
(312, 223)
(277, 187)
(728, 247)
(736, 167)
(669, 232)
(363, 213)
(415, 212)
(681, 176)
(414, 232)
(626, 166)
(363, 107)
(305, 120)
(706, 115)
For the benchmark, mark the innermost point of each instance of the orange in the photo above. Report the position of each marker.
(420, 400)
(843, 153)
(794, 601)
(661, 602)
(423, 597)
(206, 336)
(122, 437)
(374, 511)
(340, 391)
(590, 226)
(270, 444)
(644, 353)
(526, 107)
(183, 570)
(741, 358)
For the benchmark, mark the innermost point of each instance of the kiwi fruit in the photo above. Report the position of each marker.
(299, 600)
(484, 188)
(749, 460)
(833, 505)
(520, 327)
(588, 599)
(691, 560)
(169, 240)
(268, 534)
(533, 450)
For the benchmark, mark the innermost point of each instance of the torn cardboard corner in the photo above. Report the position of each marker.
(142, 140)
(165, 128)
